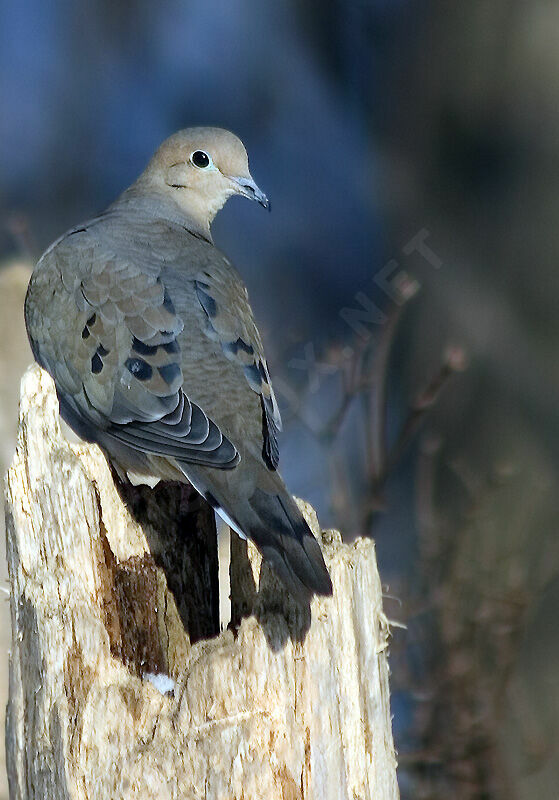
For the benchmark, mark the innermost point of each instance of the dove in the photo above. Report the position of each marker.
(146, 329)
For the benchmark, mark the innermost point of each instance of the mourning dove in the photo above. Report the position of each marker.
(147, 330)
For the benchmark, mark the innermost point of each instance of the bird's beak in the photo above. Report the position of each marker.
(248, 188)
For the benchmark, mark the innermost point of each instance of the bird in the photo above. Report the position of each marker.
(147, 330)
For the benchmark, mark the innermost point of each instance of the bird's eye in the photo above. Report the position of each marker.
(200, 159)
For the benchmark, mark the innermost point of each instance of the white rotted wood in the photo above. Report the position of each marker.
(108, 696)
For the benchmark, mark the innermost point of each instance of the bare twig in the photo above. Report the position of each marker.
(375, 430)
(454, 362)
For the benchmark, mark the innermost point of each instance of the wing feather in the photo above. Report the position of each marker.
(229, 321)
(110, 340)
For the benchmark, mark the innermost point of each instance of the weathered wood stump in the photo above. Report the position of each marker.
(121, 685)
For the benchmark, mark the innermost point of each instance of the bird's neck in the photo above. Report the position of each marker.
(160, 205)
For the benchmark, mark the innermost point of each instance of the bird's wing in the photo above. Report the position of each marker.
(107, 331)
(230, 322)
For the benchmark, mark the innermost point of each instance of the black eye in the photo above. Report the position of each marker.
(200, 159)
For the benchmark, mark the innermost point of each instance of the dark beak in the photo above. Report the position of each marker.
(248, 188)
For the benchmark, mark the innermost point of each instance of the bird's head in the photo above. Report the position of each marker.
(200, 168)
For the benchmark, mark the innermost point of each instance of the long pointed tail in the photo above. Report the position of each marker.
(286, 542)
(272, 520)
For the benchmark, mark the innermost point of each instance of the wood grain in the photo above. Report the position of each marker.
(287, 703)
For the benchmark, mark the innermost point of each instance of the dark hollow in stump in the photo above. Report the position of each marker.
(181, 533)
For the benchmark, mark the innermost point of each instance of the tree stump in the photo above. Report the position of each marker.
(122, 686)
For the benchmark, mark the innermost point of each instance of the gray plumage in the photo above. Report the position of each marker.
(147, 331)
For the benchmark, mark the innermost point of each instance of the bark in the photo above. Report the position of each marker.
(121, 685)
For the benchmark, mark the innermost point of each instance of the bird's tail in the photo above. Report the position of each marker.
(278, 529)
(273, 521)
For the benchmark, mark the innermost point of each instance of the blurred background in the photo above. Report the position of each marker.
(406, 287)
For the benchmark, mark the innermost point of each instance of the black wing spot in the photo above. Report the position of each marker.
(206, 301)
(171, 347)
(96, 364)
(102, 351)
(139, 368)
(232, 348)
(252, 373)
(85, 333)
(246, 348)
(144, 349)
(91, 321)
(169, 372)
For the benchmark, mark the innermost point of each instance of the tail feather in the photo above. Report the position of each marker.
(287, 543)
(273, 521)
